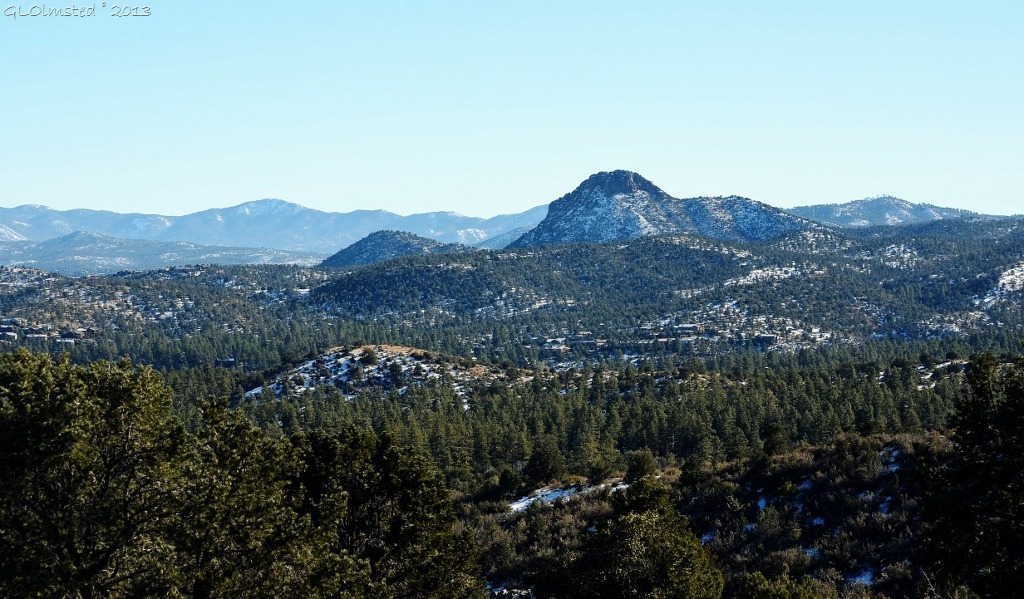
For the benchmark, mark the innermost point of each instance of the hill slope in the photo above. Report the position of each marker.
(385, 245)
(622, 205)
(883, 210)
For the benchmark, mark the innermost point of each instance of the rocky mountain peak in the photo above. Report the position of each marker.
(606, 206)
(618, 182)
(619, 205)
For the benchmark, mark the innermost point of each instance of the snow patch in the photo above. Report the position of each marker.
(890, 457)
(867, 577)
(550, 495)
(1011, 281)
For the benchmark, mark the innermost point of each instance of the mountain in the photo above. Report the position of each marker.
(734, 218)
(950, 279)
(9, 234)
(883, 210)
(385, 245)
(32, 222)
(620, 205)
(802, 289)
(450, 227)
(82, 253)
(499, 242)
(264, 223)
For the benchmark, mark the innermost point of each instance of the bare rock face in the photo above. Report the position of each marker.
(621, 205)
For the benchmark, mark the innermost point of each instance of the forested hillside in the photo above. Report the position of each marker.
(821, 414)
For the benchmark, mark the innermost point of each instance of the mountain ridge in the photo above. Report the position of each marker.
(622, 205)
(271, 223)
(84, 253)
(607, 206)
(883, 210)
(386, 245)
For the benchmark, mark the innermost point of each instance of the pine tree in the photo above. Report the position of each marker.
(976, 529)
(645, 550)
(90, 463)
(240, 533)
(398, 518)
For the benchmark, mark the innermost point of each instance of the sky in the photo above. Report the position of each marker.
(487, 108)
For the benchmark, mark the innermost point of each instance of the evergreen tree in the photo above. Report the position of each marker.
(976, 530)
(646, 550)
(90, 462)
(546, 462)
(240, 534)
(398, 517)
(639, 464)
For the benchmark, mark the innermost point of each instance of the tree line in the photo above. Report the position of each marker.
(105, 494)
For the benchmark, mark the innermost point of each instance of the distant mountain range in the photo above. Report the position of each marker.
(385, 245)
(81, 253)
(883, 210)
(608, 206)
(264, 223)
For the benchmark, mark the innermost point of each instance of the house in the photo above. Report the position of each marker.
(689, 330)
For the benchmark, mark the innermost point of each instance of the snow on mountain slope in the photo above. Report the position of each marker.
(263, 223)
(1011, 283)
(621, 205)
(734, 218)
(9, 234)
(606, 207)
(882, 210)
(81, 253)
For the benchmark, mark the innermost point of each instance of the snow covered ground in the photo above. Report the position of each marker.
(1011, 281)
(390, 368)
(550, 495)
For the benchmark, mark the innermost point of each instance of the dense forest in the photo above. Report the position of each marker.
(825, 415)
(107, 493)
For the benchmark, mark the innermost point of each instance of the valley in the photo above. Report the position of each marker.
(777, 396)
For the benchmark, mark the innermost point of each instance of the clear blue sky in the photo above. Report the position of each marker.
(493, 107)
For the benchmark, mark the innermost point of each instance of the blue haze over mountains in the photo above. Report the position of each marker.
(879, 211)
(263, 223)
(607, 206)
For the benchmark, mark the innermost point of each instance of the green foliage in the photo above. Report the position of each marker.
(91, 465)
(639, 464)
(240, 533)
(397, 516)
(646, 550)
(103, 494)
(546, 463)
(369, 357)
(830, 512)
(756, 586)
(776, 439)
(810, 433)
(976, 532)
